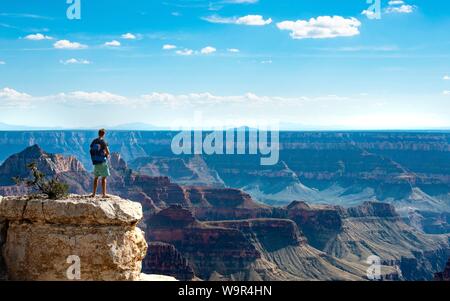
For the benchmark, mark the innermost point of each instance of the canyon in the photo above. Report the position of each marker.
(218, 232)
(408, 169)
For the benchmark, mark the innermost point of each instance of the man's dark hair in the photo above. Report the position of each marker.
(101, 132)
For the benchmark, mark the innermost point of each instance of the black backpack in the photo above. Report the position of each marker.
(98, 152)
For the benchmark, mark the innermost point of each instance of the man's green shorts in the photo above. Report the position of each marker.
(101, 170)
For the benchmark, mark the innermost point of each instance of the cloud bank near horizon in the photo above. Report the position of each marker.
(179, 110)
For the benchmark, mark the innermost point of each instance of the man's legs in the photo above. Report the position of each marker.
(95, 186)
(104, 186)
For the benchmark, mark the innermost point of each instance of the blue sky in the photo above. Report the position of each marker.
(307, 63)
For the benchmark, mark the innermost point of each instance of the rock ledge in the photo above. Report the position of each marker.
(43, 239)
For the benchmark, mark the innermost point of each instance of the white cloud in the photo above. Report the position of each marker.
(403, 9)
(368, 13)
(188, 52)
(102, 97)
(66, 44)
(169, 47)
(113, 43)
(12, 98)
(446, 92)
(399, 7)
(185, 52)
(203, 100)
(128, 36)
(446, 77)
(37, 37)
(233, 50)
(8, 93)
(396, 2)
(322, 27)
(254, 20)
(208, 50)
(206, 98)
(250, 20)
(9, 97)
(267, 62)
(220, 110)
(241, 1)
(2, 63)
(79, 110)
(75, 61)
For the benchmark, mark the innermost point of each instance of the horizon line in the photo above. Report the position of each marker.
(37, 129)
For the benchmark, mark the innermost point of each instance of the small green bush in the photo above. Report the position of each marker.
(52, 188)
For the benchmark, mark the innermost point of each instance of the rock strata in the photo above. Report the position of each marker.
(164, 259)
(77, 238)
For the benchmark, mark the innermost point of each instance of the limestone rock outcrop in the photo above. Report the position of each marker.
(319, 223)
(54, 239)
(374, 209)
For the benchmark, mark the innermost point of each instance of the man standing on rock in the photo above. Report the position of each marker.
(99, 154)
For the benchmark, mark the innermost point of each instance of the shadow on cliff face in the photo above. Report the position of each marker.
(208, 248)
(165, 259)
(271, 234)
